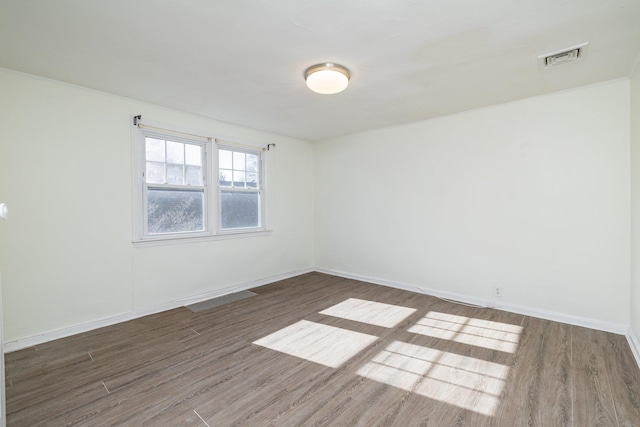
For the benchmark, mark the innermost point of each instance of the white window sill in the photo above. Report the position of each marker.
(175, 240)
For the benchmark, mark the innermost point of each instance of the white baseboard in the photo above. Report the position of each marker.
(21, 343)
(615, 328)
(634, 344)
(10, 346)
(408, 287)
(585, 322)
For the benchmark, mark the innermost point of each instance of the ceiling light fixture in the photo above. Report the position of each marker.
(327, 78)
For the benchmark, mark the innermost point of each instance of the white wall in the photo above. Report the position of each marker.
(65, 172)
(532, 196)
(635, 203)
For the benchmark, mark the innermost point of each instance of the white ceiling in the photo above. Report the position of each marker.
(242, 61)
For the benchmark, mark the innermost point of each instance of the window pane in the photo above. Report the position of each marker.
(239, 161)
(225, 159)
(173, 211)
(174, 174)
(175, 152)
(155, 173)
(193, 175)
(252, 162)
(225, 178)
(239, 210)
(238, 178)
(252, 180)
(154, 149)
(193, 154)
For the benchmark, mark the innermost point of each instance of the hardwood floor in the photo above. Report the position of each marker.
(318, 350)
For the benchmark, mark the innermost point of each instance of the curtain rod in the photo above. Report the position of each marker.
(137, 121)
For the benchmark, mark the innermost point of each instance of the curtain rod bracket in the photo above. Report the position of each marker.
(270, 145)
(136, 119)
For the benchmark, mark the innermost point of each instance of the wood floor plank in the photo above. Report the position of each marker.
(624, 377)
(538, 387)
(436, 364)
(592, 395)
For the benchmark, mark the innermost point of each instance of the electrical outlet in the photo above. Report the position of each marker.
(497, 291)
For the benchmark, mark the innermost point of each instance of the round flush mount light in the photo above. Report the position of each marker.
(327, 78)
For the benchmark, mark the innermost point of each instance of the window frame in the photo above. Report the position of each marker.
(260, 190)
(205, 187)
(212, 189)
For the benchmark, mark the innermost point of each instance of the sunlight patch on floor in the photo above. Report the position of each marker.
(373, 313)
(462, 381)
(466, 330)
(327, 345)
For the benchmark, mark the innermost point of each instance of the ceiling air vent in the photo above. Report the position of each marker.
(563, 56)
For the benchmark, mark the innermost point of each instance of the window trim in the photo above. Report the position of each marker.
(211, 146)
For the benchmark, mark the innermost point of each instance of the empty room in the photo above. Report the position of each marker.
(296, 213)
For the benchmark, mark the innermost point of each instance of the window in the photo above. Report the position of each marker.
(240, 188)
(176, 197)
(174, 186)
